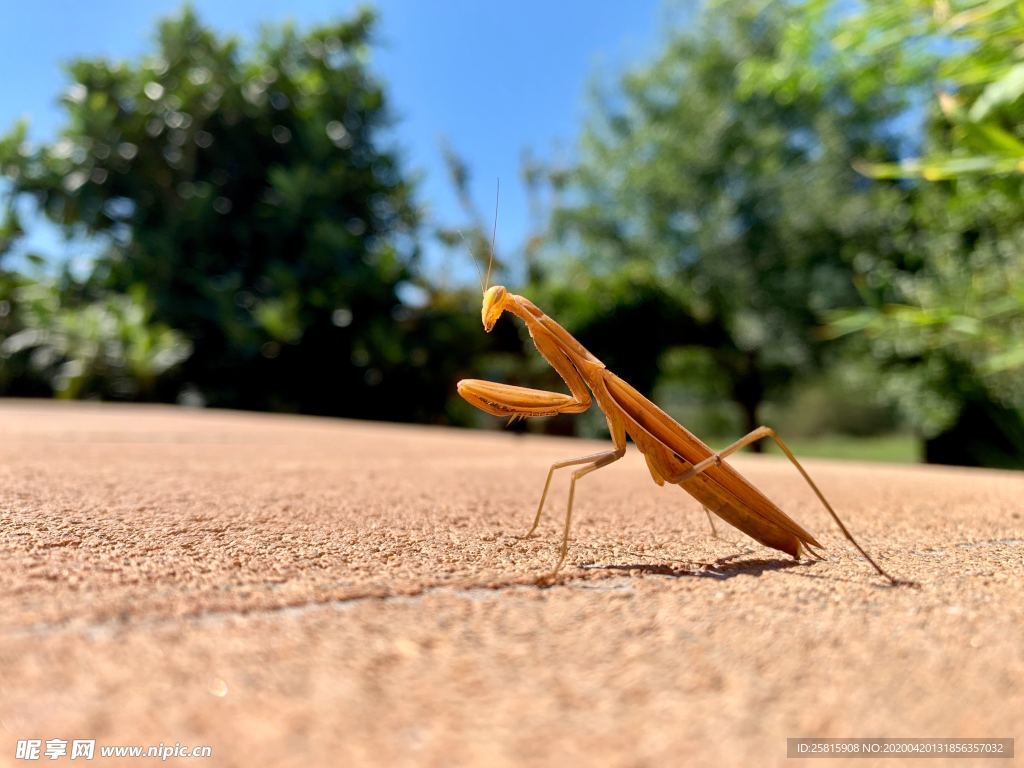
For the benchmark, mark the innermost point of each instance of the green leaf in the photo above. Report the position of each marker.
(1006, 90)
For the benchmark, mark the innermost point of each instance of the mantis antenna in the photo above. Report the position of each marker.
(494, 232)
(472, 258)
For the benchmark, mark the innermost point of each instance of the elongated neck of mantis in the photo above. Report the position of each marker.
(532, 315)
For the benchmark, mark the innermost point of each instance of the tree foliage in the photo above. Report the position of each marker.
(950, 324)
(108, 348)
(710, 214)
(247, 196)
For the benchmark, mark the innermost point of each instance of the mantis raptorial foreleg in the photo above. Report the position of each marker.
(593, 457)
(760, 434)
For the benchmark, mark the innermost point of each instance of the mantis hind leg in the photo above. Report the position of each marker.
(592, 458)
(762, 433)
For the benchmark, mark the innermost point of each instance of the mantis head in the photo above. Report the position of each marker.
(493, 306)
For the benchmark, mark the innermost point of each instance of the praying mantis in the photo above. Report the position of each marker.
(674, 455)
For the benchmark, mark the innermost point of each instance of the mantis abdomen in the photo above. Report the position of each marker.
(672, 451)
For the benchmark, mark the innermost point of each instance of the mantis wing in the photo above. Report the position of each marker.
(671, 449)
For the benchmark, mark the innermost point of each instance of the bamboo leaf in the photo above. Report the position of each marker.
(1006, 90)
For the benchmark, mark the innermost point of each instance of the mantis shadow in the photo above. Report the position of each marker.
(722, 568)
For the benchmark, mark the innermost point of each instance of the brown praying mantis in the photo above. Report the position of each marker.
(674, 455)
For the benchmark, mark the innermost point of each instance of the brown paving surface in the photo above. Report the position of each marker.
(303, 592)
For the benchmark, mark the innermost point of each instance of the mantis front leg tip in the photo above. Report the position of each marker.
(532, 533)
(548, 579)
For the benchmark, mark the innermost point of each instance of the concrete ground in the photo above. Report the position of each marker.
(303, 592)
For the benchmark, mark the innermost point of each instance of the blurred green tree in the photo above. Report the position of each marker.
(948, 322)
(108, 348)
(249, 196)
(708, 214)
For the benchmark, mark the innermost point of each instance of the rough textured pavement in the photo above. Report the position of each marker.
(294, 591)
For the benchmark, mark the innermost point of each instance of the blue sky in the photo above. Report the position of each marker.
(491, 78)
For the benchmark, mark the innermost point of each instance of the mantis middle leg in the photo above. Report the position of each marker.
(591, 458)
(711, 522)
(603, 461)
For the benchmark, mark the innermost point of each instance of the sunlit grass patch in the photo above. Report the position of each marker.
(897, 448)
